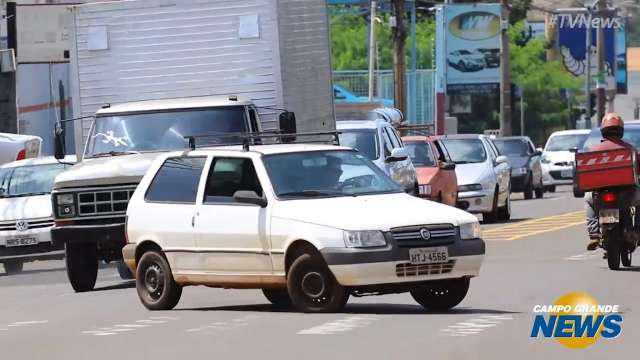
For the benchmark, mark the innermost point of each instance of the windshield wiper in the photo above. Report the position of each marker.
(23, 195)
(314, 193)
(115, 153)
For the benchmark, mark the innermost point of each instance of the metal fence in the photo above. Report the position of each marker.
(420, 90)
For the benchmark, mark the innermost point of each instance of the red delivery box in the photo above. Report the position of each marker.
(604, 169)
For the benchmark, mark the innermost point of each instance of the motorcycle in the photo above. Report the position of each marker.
(619, 224)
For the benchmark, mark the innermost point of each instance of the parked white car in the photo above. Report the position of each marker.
(15, 147)
(25, 211)
(379, 141)
(557, 159)
(308, 224)
(484, 176)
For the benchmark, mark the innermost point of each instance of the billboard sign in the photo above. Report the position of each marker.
(472, 47)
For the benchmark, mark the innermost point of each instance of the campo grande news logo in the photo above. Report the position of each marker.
(576, 320)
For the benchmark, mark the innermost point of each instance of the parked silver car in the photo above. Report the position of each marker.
(484, 180)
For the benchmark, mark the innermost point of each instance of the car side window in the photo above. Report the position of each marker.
(388, 145)
(395, 142)
(532, 148)
(253, 119)
(442, 154)
(492, 150)
(396, 136)
(177, 181)
(228, 175)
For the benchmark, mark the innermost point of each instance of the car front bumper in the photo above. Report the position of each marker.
(43, 250)
(109, 238)
(476, 201)
(552, 174)
(366, 267)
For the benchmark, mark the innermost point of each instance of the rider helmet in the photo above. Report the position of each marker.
(612, 126)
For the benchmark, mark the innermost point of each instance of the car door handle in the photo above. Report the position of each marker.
(193, 220)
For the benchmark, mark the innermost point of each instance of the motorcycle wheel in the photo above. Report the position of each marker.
(613, 244)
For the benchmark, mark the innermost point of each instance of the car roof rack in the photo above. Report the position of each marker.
(248, 139)
(416, 129)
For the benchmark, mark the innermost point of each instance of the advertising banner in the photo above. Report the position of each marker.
(472, 47)
(621, 60)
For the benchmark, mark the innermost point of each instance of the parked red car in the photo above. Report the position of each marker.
(436, 172)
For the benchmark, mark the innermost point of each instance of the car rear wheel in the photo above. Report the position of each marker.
(312, 287)
(540, 191)
(528, 189)
(441, 294)
(13, 267)
(156, 287)
(278, 297)
(82, 266)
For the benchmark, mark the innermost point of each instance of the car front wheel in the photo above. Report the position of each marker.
(82, 266)
(441, 295)
(13, 267)
(313, 288)
(155, 284)
(278, 297)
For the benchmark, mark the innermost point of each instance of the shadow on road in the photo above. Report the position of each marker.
(630, 269)
(373, 309)
(124, 285)
(31, 272)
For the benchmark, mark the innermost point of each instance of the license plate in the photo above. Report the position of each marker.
(566, 173)
(433, 255)
(22, 242)
(609, 216)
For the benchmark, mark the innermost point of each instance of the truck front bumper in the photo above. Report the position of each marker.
(366, 267)
(109, 238)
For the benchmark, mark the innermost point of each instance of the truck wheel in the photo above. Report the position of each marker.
(441, 295)
(492, 216)
(82, 266)
(155, 284)
(278, 297)
(613, 244)
(313, 288)
(13, 267)
(123, 271)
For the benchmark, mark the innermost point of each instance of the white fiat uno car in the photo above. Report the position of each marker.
(308, 224)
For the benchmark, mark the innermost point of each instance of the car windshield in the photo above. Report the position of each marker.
(420, 153)
(464, 52)
(318, 174)
(565, 142)
(29, 180)
(515, 147)
(162, 131)
(631, 136)
(365, 141)
(465, 151)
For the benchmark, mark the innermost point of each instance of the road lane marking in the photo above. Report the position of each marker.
(27, 323)
(225, 325)
(474, 326)
(585, 256)
(533, 227)
(341, 325)
(124, 328)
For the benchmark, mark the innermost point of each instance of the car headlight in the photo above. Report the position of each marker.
(425, 189)
(66, 205)
(469, 187)
(545, 160)
(470, 231)
(519, 171)
(363, 239)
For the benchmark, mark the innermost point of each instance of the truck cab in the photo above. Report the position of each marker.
(90, 199)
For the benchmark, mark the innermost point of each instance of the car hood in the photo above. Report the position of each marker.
(426, 173)
(370, 212)
(517, 161)
(560, 156)
(26, 207)
(113, 170)
(472, 173)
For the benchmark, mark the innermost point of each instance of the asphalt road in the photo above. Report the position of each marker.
(41, 317)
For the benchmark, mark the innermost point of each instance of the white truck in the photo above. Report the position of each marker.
(148, 74)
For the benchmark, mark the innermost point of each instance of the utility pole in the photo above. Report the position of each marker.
(372, 47)
(601, 86)
(505, 72)
(587, 70)
(399, 65)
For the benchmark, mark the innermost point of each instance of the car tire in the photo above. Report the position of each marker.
(551, 188)
(577, 192)
(312, 287)
(82, 266)
(528, 189)
(504, 213)
(441, 295)
(626, 255)
(123, 271)
(279, 298)
(156, 287)
(492, 216)
(13, 267)
(539, 191)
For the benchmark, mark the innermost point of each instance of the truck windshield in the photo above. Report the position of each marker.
(162, 131)
(29, 180)
(321, 174)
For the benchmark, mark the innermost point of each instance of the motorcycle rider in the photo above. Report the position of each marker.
(612, 130)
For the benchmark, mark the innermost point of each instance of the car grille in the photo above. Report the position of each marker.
(104, 202)
(407, 269)
(409, 237)
(32, 224)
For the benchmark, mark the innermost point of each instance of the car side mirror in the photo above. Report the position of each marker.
(249, 197)
(397, 154)
(537, 153)
(287, 122)
(501, 159)
(447, 165)
(59, 151)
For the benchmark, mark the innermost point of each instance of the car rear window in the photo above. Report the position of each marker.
(515, 147)
(465, 151)
(565, 142)
(177, 181)
(365, 141)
